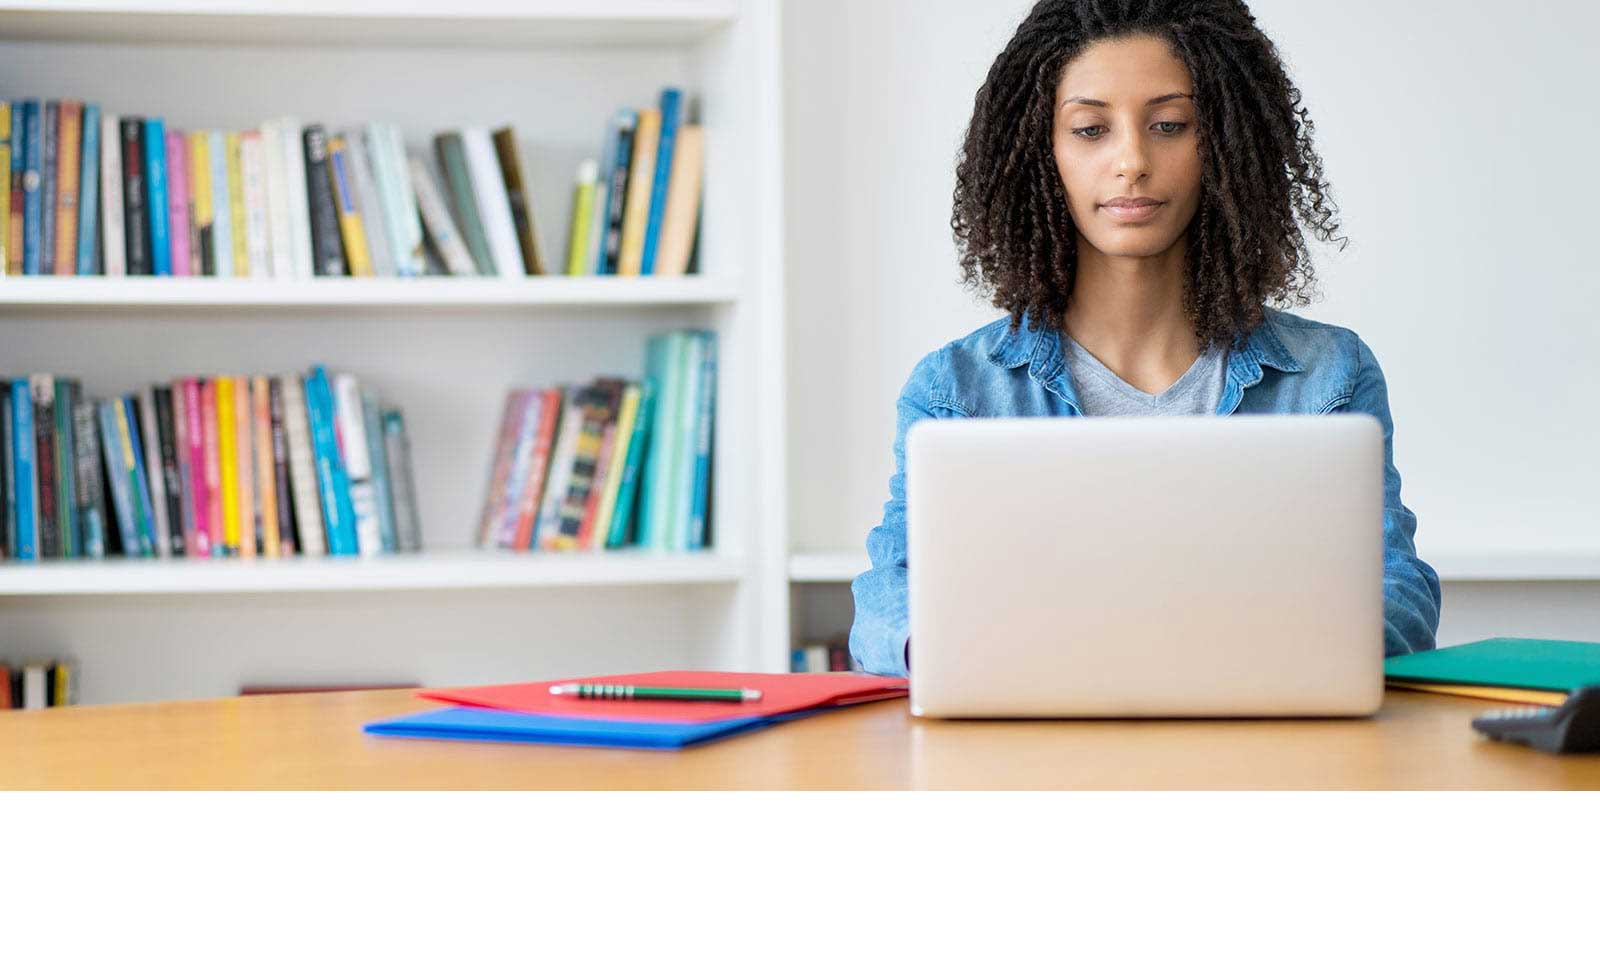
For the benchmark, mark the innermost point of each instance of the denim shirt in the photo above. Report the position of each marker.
(1287, 365)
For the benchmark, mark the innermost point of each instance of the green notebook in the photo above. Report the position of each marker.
(1545, 665)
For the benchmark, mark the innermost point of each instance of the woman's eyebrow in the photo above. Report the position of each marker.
(1106, 105)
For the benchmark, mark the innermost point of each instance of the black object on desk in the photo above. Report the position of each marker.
(1574, 726)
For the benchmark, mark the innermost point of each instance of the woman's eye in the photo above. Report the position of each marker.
(1179, 127)
(1084, 131)
(1087, 132)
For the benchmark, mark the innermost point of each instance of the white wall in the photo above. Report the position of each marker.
(1458, 149)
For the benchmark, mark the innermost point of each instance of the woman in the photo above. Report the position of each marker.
(1128, 192)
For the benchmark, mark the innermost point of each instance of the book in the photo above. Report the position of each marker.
(397, 448)
(518, 197)
(228, 464)
(113, 241)
(265, 464)
(627, 417)
(524, 438)
(681, 473)
(585, 185)
(625, 124)
(671, 109)
(238, 205)
(211, 435)
(327, 245)
(87, 259)
(297, 188)
(494, 494)
(244, 442)
(303, 471)
(222, 244)
(636, 209)
(66, 466)
(32, 146)
(178, 201)
(352, 232)
(440, 227)
(624, 513)
(282, 493)
(155, 474)
(199, 482)
(594, 261)
(280, 231)
(584, 539)
(350, 423)
(680, 224)
(8, 476)
(533, 489)
(369, 205)
(50, 144)
(178, 476)
(69, 173)
(44, 462)
(663, 365)
(257, 220)
(202, 206)
(7, 189)
(116, 468)
(458, 180)
(1500, 663)
(332, 482)
(129, 429)
(547, 526)
(25, 485)
(155, 182)
(372, 427)
(702, 436)
(135, 207)
(597, 410)
(494, 206)
(375, 144)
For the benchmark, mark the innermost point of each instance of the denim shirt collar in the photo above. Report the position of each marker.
(1041, 350)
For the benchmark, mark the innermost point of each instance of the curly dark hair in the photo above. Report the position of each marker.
(1259, 169)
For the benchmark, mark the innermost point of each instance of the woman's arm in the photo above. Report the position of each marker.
(1411, 597)
(881, 632)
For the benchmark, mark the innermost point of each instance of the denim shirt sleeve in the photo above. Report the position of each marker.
(882, 626)
(1411, 597)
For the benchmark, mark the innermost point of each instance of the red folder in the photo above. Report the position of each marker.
(780, 694)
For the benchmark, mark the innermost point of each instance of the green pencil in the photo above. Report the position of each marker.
(631, 692)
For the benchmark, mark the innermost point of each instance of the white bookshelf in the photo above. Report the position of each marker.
(444, 350)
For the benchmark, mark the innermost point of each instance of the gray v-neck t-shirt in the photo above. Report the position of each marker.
(1102, 392)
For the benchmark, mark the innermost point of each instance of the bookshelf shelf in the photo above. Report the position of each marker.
(432, 292)
(464, 569)
(482, 23)
(826, 566)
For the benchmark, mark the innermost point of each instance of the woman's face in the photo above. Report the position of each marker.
(1125, 128)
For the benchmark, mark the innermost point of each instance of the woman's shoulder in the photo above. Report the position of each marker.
(1317, 345)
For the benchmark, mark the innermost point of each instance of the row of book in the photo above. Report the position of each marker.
(204, 467)
(609, 464)
(86, 193)
(38, 685)
(820, 658)
(636, 210)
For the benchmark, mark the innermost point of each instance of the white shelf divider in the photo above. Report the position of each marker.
(68, 292)
(826, 566)
(464, 569)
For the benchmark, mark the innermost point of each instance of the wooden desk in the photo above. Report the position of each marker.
(314, 741)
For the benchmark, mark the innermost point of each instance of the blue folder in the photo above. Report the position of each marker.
(486, 725)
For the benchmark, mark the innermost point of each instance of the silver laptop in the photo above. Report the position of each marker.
(1146, 567)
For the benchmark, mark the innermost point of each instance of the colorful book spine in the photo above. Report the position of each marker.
(135, 206)
(8, 475)
(238, 213)
(178, 202)
(199, 483)
(51, 146)
(112, 448)
(166, 451)
(412, 255)
(32, 194)
(326, 245)
(244, 445)
(623, 516)
(664, 360)
(372, 419)
(519, 200)
(266, 467)
(178, 412)
(287, 542)
(337, 513)
(437, 221)
(113, 241)
(304, 474)
(350, 424)
(25, 495)
(149, 449)
(494, 207)
(127, 419)
(538, 474)
(87, 260)
(155, 165)
(594, 260)
(222, 247)
(203, 260)
(583, 194)
(228, 464)
(91, 493)
(294, 158)
(69, 173)
(598, 407)
(66, 464)
(7, 186)
(701, 443)
(495, 502)
(211, 433)
(397, 447)
(459, 181)
(525, 435)
(565, 454)
(680, 226)
(627, 125)
(627, 417)
(44, 462)
(351, 230)
(682, 458)
(671, 116)
(368, 204)
(375, 146)
(597, 487)
(636, 209)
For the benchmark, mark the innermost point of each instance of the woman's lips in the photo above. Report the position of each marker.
(1132, 215)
